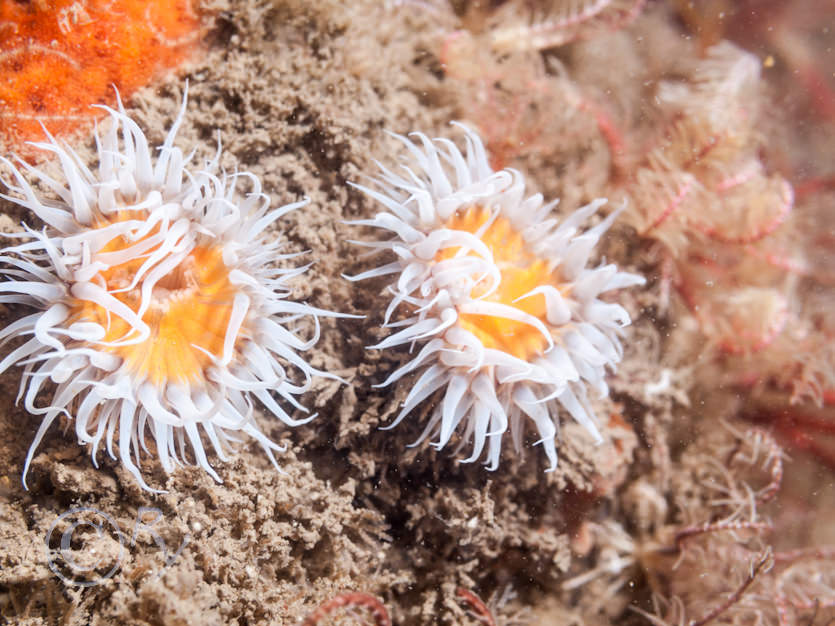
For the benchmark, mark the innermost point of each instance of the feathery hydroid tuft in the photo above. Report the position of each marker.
(160, 307)
(504, 310)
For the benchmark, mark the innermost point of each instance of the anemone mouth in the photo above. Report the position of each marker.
(521, 273)
(179, 282)
(185, 299)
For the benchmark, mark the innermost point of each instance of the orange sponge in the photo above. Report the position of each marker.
(59, 56)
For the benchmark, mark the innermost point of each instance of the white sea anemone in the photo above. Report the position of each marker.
(499, 299)
(160, 305)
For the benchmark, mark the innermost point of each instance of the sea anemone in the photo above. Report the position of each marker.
(161, 306)
(499, 297)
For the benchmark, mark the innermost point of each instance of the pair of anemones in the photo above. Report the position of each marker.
(162, 303)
